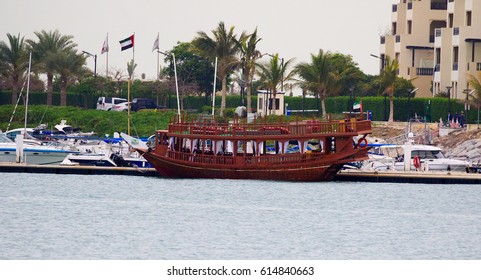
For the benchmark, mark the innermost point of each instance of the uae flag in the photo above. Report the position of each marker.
(127, 43)
(357, 106)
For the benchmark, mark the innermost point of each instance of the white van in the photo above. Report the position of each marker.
(106, 103)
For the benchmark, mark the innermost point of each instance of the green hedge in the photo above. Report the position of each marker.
(335, 105)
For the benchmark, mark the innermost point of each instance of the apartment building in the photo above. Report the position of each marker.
(411, 40)
(457, 48)
(436, 43)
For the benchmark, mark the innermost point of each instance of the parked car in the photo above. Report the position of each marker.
(143, 103)
(107, 103)
(121, 107)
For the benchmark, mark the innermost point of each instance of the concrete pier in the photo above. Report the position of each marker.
(343, 176)
(82, 170)
(411, 177)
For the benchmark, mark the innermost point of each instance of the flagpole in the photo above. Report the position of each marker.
(107, 62)
(128, 84)
(133, 51)
(176, 85)
(158, 58)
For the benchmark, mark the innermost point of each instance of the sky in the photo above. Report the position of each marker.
(293, 29)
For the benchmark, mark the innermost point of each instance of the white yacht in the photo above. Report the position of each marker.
(422, 157)
(32, 153)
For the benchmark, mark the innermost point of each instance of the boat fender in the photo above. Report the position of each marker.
(417, 162)
(362, 143)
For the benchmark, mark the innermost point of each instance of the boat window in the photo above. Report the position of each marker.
(427, 154)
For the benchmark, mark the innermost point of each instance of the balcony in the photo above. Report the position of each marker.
(424, 71)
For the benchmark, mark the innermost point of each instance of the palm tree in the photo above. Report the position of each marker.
(69, 65)
(387, 81)
(475, 82)
(247, 44)
(13, 61)
(273, 73)
(318, 76)
(131, 68)
(223, 46)
(44, 53)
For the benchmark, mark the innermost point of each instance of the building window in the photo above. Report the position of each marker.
(456, 31)
(394, 28)
(398, 38)
(260, 103)
(455, 58)
(383, 40)
(394, 8)
(468, 18)
(450, 20)
(439, 5)
(410, 26)
(478, 66)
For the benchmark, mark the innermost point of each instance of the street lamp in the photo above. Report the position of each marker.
(380, 58)
(385, 93)
(95, 61)
(352, 99)
(477, 102)
(449, 98)
(176, 81)
(409, 101)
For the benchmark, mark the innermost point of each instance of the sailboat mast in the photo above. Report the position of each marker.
(28, 90)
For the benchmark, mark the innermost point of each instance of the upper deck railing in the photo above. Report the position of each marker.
(333, 128)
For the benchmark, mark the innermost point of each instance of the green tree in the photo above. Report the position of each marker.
(273, 73)
(13, 61)
(195, 73)
(44, 52)
(350, 76)
(70, 67)
(318, 76)
(247, 45)
(221, 46)
(475, 82)
(387, 81)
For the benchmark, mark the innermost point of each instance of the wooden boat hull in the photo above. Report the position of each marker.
(303, 172)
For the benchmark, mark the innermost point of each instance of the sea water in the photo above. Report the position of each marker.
(47, 216)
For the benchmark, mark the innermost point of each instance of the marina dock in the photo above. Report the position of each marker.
(343, 176)
(76, 169)
(408, 177)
